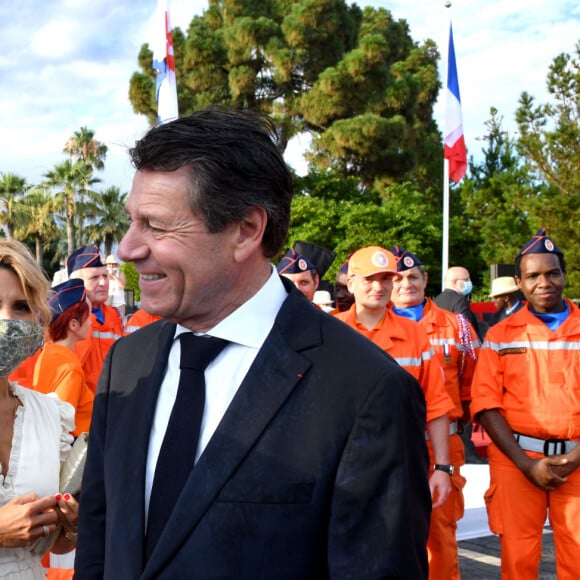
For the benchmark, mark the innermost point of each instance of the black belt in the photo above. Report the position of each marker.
(545, 446)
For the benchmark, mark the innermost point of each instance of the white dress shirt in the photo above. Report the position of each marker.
(246, 329)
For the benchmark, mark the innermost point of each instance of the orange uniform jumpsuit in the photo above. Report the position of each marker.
(408, 344)
(139, 319)
(531, 375)
(457, 355)
(59, 370)
(24, 374)
(92, 352)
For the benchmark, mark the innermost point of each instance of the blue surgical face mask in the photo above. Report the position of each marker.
(467, 287)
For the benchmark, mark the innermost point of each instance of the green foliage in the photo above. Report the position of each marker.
(107, 220)
(131, 279)
(490, 207)
(344, 225)
(12, 189)
(354, 79)
(550, 143)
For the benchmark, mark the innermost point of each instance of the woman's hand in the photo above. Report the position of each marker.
(26, 519)
(67, 510)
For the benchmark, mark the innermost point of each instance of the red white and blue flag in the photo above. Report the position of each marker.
(164, 65)
(455, 150)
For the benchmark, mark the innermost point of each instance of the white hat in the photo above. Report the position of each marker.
(503, 285)
(111, 260)
(322, 298)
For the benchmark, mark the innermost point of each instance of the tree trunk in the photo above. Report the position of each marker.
(108, 244)
(70, 234)
(38, 245)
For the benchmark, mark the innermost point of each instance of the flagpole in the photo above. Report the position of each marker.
(445, 250)
(445, 240)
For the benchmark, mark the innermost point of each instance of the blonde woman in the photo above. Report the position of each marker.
(34, 428)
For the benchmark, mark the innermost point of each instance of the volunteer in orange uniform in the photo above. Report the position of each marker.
(139, 319)
(456, 345)
(58, 369)
(107, 326)
(370, 280)
(526, 393)
(300, 271)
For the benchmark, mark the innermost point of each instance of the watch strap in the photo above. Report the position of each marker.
(449, 469)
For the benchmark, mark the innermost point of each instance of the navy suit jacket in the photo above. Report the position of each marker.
(317, 470)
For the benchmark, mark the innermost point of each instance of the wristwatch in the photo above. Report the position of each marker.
(449, 469)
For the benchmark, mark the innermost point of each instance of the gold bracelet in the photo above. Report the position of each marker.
(72, 536)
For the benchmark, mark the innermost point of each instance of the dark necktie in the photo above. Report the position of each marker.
(177, 453)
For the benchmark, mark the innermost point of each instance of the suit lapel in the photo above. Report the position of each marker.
(278, 368)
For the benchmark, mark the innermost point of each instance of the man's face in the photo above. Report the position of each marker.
(542, 282)
(96, 284)
(342, 296)
(409, 288)
(306, 282)
(499, 302)
(371, 292)
(186, 274)
(459, 278)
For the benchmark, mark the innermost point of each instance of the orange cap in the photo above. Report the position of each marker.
(370, 261)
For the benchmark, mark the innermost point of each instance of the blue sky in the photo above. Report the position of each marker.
(67, 63)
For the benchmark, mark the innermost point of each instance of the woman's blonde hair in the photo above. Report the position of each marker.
(16, 257)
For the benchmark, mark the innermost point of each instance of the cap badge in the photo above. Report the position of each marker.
(379, 259)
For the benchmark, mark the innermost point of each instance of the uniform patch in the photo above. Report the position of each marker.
(513, 350)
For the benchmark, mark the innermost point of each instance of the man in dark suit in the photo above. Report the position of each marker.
(311, 461)
(505, 294)
(457, 287)
(454, 298)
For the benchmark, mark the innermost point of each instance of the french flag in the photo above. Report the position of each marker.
(454, 150)
(164, 65)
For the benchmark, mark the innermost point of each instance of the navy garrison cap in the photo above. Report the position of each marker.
(344, 267)
(85, 257)
(405, 259)
(540, 244)
(66, 295)
(294, 263)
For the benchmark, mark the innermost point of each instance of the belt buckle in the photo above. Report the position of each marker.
(555, 443)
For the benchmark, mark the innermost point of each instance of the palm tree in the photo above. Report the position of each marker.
(84, 182)
(12, 189)
(66, 179)
(38, 207)
(111, 220)
(83, 146)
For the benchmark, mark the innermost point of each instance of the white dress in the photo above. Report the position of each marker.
(40, 443)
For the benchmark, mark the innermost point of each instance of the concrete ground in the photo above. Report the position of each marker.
(479, 558)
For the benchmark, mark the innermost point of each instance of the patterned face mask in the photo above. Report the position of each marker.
(19, 339)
